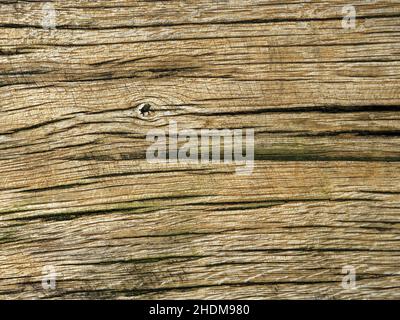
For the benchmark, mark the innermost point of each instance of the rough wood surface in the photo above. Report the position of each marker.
(78, 194)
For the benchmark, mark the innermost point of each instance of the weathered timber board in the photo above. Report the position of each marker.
(77, 192)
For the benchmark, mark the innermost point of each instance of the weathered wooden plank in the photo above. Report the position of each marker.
(78, 194)
(105, 14)
(101, 119)
(137, 233)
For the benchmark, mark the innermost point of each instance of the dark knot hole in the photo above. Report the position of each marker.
(145, 109)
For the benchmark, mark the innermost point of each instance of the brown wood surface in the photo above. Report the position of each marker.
(77, 192)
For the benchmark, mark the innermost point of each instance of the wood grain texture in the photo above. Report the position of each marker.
(77, 192)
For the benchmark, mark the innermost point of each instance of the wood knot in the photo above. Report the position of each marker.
(145, 109)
